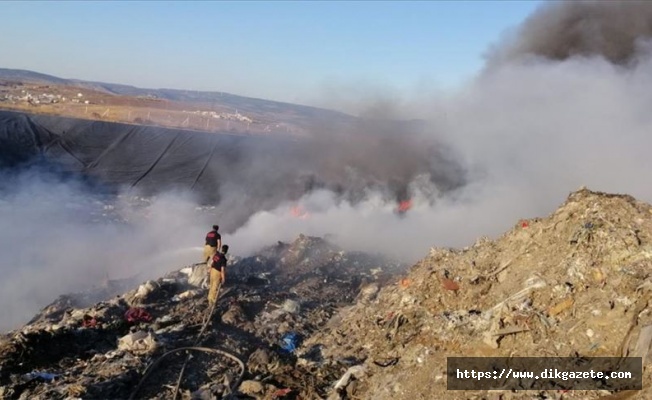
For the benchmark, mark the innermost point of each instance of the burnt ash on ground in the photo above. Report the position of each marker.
(272, 301)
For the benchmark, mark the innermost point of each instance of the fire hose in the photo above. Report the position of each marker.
(156, 363)
(201, 333)
(153, 366)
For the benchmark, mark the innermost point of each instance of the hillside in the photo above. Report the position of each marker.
(227, 99)
(21, 75)
(200, 110)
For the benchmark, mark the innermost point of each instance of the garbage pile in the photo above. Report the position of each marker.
(305, 320)
(128, 346)
(575, 284)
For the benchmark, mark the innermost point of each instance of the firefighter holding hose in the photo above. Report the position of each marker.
(216, 274)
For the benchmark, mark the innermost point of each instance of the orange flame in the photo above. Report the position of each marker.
(298, 212)
(404, 206)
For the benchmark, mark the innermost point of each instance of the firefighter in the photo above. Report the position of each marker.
(216, 273)
(213, 242)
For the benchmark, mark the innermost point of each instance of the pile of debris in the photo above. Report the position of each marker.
(574, 284)
(126, 345)
(308, 321)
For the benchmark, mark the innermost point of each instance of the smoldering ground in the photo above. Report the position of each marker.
(514, 142)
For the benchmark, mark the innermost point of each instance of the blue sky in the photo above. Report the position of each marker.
(289, 50)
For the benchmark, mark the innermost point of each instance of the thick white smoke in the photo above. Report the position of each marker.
(529, 130)
(55, 240)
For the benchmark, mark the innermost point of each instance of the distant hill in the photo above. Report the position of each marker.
(30, 76)
(241, 103)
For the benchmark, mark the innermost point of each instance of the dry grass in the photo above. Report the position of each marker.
(130, 110)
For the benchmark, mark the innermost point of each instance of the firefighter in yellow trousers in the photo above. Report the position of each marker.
(216, 274)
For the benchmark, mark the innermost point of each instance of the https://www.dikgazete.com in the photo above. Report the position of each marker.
(541, 373)
(548, 373)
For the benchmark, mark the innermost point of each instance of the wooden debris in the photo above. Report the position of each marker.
(561, 307)
(643, 343)
(511, 330)
(449, 284)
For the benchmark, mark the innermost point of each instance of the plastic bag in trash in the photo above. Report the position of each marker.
(138, 342)
(41, 376)
(290, 342)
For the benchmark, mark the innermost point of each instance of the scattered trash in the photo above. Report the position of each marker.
(369, 292)
(357, 371)
(185, 295)
(199, 275)
(532, 293)
(282, 392)
(386, 363)
(40, 376)
(135, 315)
(449, 284)
(510, 331)
(291, 306)
(561, 307)
(289, 342)
(138, 342)
(531, 284)
(643, 344)
(251, 387)
(203, 393)
(89, 322)
(145, 289)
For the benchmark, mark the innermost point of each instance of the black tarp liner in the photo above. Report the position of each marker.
(255, 172)
(20, 139)
(148, 158)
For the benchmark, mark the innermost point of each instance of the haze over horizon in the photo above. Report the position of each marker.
(315, 53)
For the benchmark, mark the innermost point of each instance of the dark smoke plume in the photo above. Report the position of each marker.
(615, 30)
(379, 153)
(349, 158)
